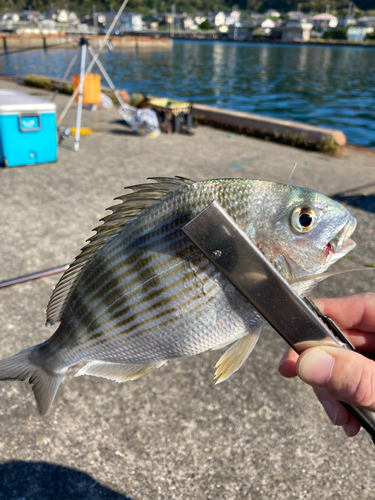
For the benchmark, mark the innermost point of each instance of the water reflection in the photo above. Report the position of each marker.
(302, 59)
(327, 86)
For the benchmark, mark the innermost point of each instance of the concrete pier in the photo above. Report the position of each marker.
(172, 434)
(289, 132)
(12, 42)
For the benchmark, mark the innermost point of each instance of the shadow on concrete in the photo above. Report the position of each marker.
(364, 202)
(123, 132)
(41, 480)
(120, 121)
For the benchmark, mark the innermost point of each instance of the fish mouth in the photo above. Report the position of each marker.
(341, 244)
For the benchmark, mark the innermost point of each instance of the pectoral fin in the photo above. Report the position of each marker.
(116, 371)
(235, 356)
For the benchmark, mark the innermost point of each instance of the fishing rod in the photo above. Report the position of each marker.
(95, 60)
(34, 276)
(105, 41)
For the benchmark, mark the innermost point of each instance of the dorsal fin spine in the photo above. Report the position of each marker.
(131, 206)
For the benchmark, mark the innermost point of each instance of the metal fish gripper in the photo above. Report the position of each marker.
(298, 321)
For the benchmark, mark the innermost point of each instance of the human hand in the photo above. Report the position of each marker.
(336, 373)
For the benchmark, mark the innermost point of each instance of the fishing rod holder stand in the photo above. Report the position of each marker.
(83, 48)
(82, 40)
(298, 321)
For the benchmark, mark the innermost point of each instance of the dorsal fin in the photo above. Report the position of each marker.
(131, 206)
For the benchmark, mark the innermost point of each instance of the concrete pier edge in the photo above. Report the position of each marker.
(13, 42)
(302, 135)
(293, 133)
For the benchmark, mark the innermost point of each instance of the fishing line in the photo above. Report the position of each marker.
(292, 281)
(365, 238)
(352, 190)
(291, 174)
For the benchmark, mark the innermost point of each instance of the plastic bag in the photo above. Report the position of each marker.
(105, 102)
(142, 121)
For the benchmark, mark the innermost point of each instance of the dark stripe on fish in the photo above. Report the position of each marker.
(154, 308)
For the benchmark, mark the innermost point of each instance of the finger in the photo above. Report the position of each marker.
(335, 411)
(354, 312)
(287, 365)
(342, 374)
(362, 341)
(352, 427)
(337, 414)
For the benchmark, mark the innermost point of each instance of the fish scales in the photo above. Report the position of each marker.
(141, 293)
(145, 288)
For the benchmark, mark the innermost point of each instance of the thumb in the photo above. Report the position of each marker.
(344, 375)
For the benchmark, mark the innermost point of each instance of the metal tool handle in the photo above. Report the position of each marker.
(215, 233)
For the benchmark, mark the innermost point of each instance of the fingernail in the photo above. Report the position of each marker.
(316, 368)
(331, 410)
(351, 428)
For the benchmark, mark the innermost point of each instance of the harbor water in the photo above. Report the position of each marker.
(320, 85)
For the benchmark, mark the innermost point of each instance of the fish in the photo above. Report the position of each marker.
(140, 293)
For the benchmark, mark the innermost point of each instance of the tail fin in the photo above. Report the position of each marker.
(44, 382)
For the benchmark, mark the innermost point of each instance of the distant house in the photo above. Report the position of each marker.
(268, 25)
(296, 30)
(103, 20)
(240, 33)
(216, 18)
(368, 21)
(356, 34)
(232, 17)
(296, 15)
(73, 18)
(11, 17)
(189, 23)
(325, 21)
(199, 19)
(346, 21)
(257, 16)
(252, 23)
(31, 16)
(150, 22)
(184, 22)
(130, 21)
(49, 24)
(273, 13)
(159, 18)
(59, 15)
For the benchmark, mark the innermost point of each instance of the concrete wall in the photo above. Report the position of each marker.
(20, 42)
(299, 134)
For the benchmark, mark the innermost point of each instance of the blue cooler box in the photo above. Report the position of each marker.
(28, 133)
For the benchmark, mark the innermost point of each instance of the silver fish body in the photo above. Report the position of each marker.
(141, 293)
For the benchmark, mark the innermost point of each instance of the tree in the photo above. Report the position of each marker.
(205, 25)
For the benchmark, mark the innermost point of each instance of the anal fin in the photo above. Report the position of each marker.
(236, 355)
(116, 371)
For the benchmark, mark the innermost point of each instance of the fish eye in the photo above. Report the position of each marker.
(303, 219)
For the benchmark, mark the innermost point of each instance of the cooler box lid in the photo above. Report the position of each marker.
(16, 102)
